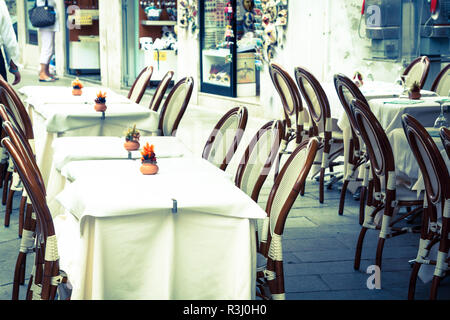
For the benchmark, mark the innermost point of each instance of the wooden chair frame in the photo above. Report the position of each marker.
(144, 87)
(161, 91)
(382, 165)
(189, 81)
(445, 137)
(356, 156)
(271, 247)
(242, 114)
(437, 193)
(439, 78)
(426, 61)
(320, 120)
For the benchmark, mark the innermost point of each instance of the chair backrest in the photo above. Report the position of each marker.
(259, 158)
(16, 109)
(175, 106)
(140, 85)
(290, 98)
(316, 100)
(417, 71)
(47, 271)
(288, 184)
(225, 138)
(376, 141)
(428, 156)
(161, 91)
(441, 84)
(347, 91)
(445, 136)
(22, 144)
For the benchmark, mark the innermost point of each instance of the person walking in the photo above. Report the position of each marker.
(47, 43)
(10, 46)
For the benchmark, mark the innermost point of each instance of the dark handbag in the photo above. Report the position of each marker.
(43, 16)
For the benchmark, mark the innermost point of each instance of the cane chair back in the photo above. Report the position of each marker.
(436, 179)
(445, 137)
(46, 274)
(347, 91)
(282, 196)
(161, 91)
(376, 141)
(226, 137)
(417, 71)
(441, 84)
(291, 101)
(141, 83)
(259, 158)
(175, 106)
(10, 99)
(316, 100)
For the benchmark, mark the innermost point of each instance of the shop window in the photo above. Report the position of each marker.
(12, 8)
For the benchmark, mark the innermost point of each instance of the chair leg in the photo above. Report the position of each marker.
(380, 248)
(8, 209)
(413, 280)
(23, 203)
(359, 246)
(5, 187)
(19, 275)
(321, 185)
(434, 287)
(343, 194)
(362, 205)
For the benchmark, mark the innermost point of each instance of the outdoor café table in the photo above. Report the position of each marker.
(70, 149)
(61, 115)
(407, 169)
(185, 233)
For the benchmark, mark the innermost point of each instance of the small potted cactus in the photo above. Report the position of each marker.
(149, 165)
(77, 87)
(100, 102)
(132, 139)
(414, 91)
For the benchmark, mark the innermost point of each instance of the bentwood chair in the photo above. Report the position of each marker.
(417, 71)
(319, 111)
(46, 276)
(296, 118)
(445, 137)
(270, 275)
(161, 91)
(141, 83)
(441, 84)
(436, 180)
(389, 194)
(175, 106)
(258, 160)
(19, 116)
(16, 185)
(347, 91)
(226, 137)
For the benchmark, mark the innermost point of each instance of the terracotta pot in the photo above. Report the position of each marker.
(414, 95)
(77, 92)
(100, 107)
(148, 168)
(132, 145)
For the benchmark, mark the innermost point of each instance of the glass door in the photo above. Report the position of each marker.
(217, 47)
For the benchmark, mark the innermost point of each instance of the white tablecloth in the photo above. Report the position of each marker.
(121, 239)
(67, 118)
(69, 149)
(59, 94)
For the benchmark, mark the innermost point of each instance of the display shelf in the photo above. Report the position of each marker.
(158, 23)
(220, 53)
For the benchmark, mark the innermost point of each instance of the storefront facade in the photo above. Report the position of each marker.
(128, 37)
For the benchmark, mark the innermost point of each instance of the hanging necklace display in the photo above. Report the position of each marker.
(188, 15)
